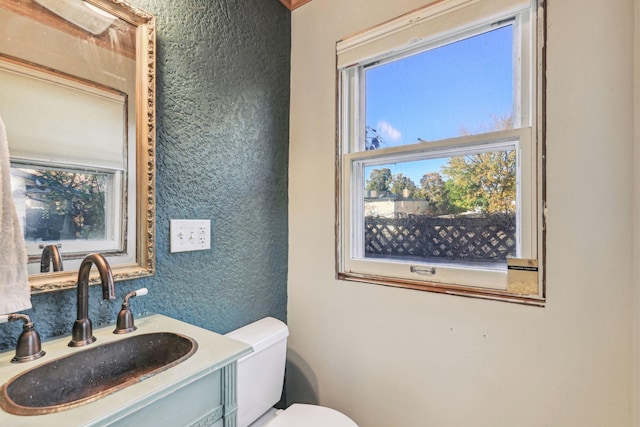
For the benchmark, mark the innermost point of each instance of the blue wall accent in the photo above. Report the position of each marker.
(223, 71)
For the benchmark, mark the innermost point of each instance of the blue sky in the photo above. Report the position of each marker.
(432, 95)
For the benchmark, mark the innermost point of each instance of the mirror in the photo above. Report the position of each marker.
(77, 96)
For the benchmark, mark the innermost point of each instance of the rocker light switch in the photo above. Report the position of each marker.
(190, 235)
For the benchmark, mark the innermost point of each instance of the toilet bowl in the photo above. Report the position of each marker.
(261, 377)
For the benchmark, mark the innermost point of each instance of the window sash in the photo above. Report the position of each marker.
(352, 78)
(435, 23)
(352, 213)
(113, 219)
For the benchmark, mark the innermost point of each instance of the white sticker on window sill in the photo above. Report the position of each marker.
(522, 276)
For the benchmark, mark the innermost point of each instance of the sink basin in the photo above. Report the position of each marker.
(93, 373)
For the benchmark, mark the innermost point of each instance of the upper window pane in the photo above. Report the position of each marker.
(461, 88)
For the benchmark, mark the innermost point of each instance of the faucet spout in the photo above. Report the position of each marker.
(82, 332)
(50, 256)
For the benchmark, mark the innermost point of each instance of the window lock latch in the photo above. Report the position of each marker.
(427, 270)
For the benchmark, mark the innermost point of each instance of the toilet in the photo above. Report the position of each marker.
(261, 377)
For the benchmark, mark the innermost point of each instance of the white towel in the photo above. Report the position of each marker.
(15, 292)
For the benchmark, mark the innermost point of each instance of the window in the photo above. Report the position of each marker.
(74, 208)
(68, 142)
(440, 151)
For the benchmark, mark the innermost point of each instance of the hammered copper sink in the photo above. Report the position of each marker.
(93, 373)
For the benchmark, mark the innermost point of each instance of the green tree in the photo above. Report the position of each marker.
(379, 180)
(78, 197)
(400, 183)
(484, 181)
(434, 190)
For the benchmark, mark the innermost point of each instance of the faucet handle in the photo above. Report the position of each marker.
(28, 347)
(124, 324)
(140, 292)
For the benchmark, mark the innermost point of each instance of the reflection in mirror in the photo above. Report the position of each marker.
(50, 258)
(77, 98)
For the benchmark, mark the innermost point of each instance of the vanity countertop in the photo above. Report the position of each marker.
(214, 352)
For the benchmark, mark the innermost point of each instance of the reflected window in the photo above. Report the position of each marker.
(68, 146)
(77, 209)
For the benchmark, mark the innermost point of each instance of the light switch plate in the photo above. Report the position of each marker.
(190, 235)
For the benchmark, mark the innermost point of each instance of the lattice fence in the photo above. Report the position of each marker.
(471, 239)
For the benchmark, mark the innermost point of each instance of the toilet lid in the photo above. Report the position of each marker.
(301, 415)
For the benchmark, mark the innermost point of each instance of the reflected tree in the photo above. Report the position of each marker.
(79, 198)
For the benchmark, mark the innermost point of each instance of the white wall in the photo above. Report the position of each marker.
(636, 258)
(390, 357)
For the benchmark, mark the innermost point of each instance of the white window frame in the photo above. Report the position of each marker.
(78, 248)
(433, 26)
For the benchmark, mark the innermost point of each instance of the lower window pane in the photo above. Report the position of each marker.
(459, 210)
(55, 204)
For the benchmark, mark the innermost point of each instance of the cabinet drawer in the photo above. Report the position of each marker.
(197, 402)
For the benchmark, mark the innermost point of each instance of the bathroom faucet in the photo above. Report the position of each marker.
(82, 332)
(28, 347)
(124, 324)
(50, 255)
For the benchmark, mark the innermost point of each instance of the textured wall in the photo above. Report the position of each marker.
(222, 153)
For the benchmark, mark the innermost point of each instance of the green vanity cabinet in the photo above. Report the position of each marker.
(201, 391)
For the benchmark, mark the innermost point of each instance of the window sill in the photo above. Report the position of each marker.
(439, 288)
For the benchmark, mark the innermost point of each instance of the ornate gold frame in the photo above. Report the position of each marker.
(144, 266)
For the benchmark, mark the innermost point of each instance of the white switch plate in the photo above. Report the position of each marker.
(190, 235)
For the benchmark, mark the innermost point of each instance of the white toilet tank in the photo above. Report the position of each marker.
(260, 373)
